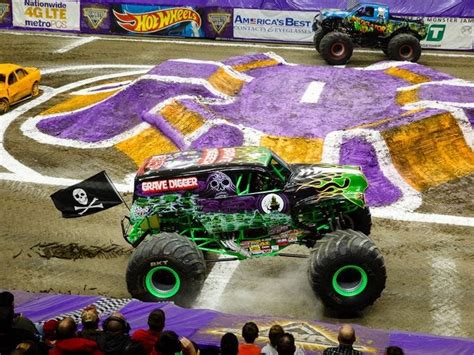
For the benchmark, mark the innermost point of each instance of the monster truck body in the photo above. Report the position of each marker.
(367, 25)
(241, 202)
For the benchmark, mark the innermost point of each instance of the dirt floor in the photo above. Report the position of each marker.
(429, 266)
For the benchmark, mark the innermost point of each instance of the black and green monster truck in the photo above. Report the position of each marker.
(246, 202)
(366, 25)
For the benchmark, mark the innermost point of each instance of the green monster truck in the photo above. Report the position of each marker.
(244, 203)
(367, 25)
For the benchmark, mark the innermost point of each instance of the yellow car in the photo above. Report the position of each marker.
(17, 83)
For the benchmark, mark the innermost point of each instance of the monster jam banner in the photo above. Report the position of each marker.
(206, 327)
(92, 195)
(95, 18)
(449, 33)
(5, 13)
(46, 14)
(291, 26)
(159, 20)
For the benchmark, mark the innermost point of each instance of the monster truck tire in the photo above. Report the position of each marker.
(347, 271)
(359, 220)
(4, 106)
(404, 46)
(35, 89)
(318, 36)
(166, 267)
(336, 48)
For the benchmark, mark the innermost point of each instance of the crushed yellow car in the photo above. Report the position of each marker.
(16, 84)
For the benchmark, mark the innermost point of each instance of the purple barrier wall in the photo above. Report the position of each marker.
(206, 327)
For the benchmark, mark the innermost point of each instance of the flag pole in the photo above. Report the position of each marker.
(115, 189)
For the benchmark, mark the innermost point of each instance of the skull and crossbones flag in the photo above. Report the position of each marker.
(92, 195)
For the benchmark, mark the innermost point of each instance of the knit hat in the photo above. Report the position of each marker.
(90, 315)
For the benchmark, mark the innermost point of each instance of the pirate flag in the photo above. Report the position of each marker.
(92, 195)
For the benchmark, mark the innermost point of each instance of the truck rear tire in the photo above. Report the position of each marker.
(347, 271)
(166, 267)
(404, 46)
(318, 36)
(336, 48)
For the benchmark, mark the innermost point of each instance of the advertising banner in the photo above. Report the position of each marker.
(449, 33)
(5, 13)
(291, 26)
(157, 20)
(47, 14)
(95, 18)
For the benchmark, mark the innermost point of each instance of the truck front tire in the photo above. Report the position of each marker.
(347, 271)
(318, 36)
(166, 267)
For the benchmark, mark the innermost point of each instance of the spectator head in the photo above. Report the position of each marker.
(250, 332)
(6, 319)
(7, 299)
(49, 329)
(116, 324)
(274, 334)
(156, 320)
(286, 345)
(393, 350)
(229, 344)
(346, 335)
(169, 343)
(90, 317)
(66, 329)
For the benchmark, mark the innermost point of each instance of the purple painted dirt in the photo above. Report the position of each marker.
(184, 70)
(219, 136)
(447, 93)
(381, 191)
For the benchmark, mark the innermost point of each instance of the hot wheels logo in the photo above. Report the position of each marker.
(154, 21)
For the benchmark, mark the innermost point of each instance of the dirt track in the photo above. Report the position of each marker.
(429, 266)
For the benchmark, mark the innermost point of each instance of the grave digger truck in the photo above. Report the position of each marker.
(246, 202)
(366, 25)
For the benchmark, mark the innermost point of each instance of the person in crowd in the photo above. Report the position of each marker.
(10, 337)
(90, 324)
(274, 334)
(7, 299)
(69, 343)
(116, 335)
(229, 344)
(135, 348)
(249, 333)
(149, 337)
(393, 350)
(49, 332)
(286, 344)
(346, 338)
(168, 342)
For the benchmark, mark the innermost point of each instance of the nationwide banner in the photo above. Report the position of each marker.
(449, 33)
(47, 14)
(159, 20)
(288, 26)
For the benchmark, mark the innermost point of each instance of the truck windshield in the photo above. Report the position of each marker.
(280, 168)
(2, 79)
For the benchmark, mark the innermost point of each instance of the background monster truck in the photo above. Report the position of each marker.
(367, 25)
(246, 202)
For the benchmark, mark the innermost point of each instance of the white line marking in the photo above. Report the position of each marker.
(192, 42)
(215, 284)
(95, 66)
(76, 44)
(445, 287)
(227, 68)
(400, 215)
(313, 92)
